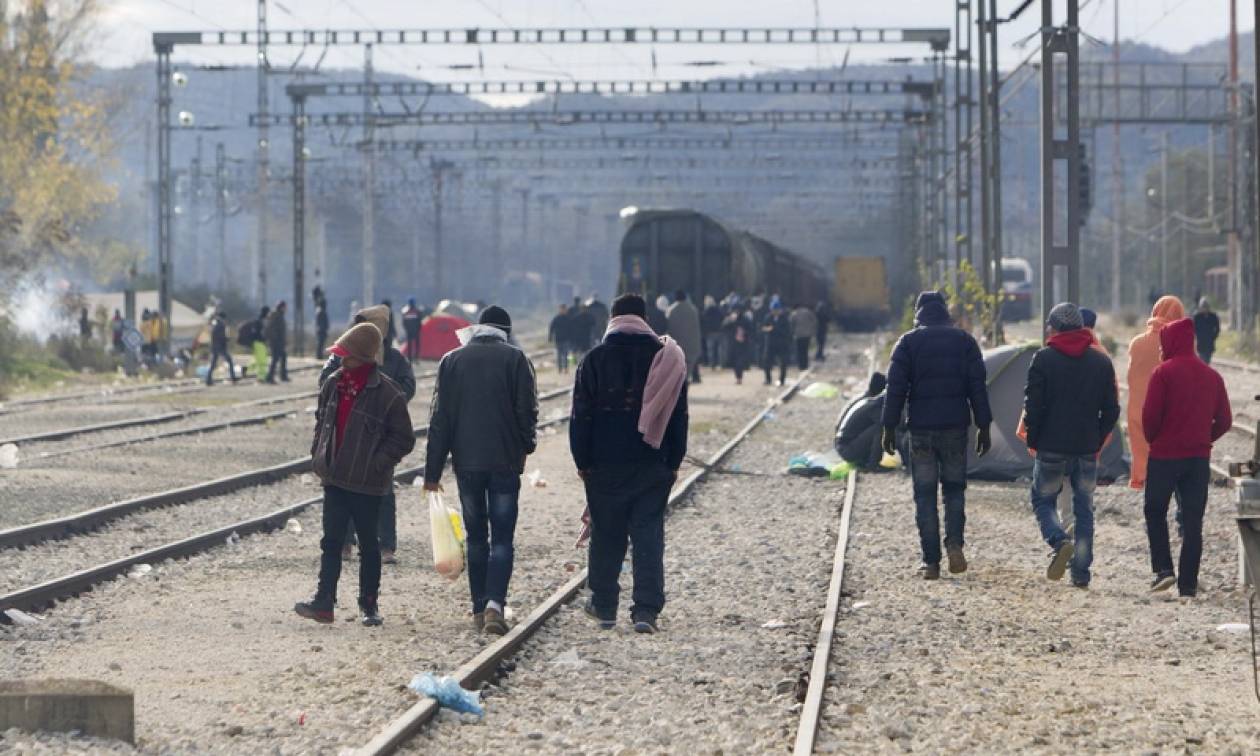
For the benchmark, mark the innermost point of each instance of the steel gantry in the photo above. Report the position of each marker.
(1060, 246)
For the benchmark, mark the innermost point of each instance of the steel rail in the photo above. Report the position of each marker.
(482, 667)
(38, 597)
(60, 528)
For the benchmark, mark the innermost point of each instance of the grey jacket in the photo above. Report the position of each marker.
(378, 435)
(485, 410)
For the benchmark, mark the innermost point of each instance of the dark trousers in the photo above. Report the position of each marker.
(1206, 355)
(214, 360)
(413, 346)
(562, 357)
(387, 529)
(342, 507)
(489, 502)
(939, 457)
(627, 504)
(821, 338)
(279, 357)
(773, 357)
(1190, 479)
(802, 353)
(321, 340)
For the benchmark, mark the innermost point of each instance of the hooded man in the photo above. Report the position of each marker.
(1185, 411)
(485, 417)
(1207, 326)
(396, 368)
(1144, 357)
(628, 437)
(938, 371)
(858, 437)
(219, 347)
(1070, 408)
(684, 328)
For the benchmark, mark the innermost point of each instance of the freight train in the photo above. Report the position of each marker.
(667, 250)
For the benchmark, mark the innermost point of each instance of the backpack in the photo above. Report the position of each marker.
(248, 333)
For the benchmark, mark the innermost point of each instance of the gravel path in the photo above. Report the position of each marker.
(219, 663)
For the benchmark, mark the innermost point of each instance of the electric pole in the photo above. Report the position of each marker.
(264, 156)
(369, 184)
(220, 213)
(1117, 170)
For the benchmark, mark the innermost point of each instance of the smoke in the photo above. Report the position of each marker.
(37, 308)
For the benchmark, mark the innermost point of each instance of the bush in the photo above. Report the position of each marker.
(71, 351)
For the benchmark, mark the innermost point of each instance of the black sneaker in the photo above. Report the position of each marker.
(369, 613)
(1080, 584)
(1059, 559)
(930, 571)
(645, 624)
(1163, 581)
(604, 623)
(957, 560)
(318, 609)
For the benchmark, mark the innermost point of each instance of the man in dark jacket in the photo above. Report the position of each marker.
(412, 319)
(1185, 412)
(938, 371)
(276, 333)
(581, 329)
(776, 335)
(628, 472)
(599, 316)
(1070, 407)
(1207, 327)
(321, 319)
(559, 333)
(219, 347)
(362, 430)
(485, 417)
(824, 315)
(858, 438)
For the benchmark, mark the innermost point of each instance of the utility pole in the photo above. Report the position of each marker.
(1255, 282)
(1117, 169)
(986, 241)
(1163, 213)
(526, 256)
(194, 214)
(438, 168)
(264, 157)
(299, 225)
(165, 209)
(496, 247)
(220, 213)
(963, 105)
(368, 241)
(1055, 252)
(995, 149)
(1233, 241)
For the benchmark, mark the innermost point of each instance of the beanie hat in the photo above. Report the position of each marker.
(629, 304)
(360, 342)
(1089, 318)
(877, 385)
(496, 316)
(1065, 316)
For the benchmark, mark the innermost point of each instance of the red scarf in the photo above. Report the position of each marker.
(349, 385)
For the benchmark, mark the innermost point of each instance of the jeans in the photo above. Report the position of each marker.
(387, 529)
(1189, 478)
(342, 507)
(1049, 470)
(773, 356)
(802, 353)
(280, 357)
(715, 350)
(489, 501)
(214, 360)
(627, 504)
(939, 457)
(562, 357)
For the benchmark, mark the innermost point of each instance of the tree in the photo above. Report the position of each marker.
(55, 141)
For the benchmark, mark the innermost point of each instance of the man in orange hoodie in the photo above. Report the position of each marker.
(1185, 412)
(1143, 359)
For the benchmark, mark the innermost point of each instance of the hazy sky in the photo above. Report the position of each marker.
(1174, 24)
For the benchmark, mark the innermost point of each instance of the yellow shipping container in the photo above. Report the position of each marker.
(860, 293)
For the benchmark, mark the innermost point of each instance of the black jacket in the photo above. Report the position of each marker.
(938, 370)
(485, 410)
(396, 368)
(1207, 326)
(275, 331)
(218, 335)
(561, 329)
(1070, 401)
(321, 318)
(857, 429)
(776, 332)
(607, 399)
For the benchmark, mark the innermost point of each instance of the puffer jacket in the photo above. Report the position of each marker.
(938, 370)
(1187, 407)
(377, 437)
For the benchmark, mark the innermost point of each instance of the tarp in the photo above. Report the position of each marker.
(1009, 459)
(186, 322)
(437, 335)
(457, 309)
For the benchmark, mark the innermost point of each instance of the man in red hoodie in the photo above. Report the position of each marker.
(1070, 407)
(1185, 412)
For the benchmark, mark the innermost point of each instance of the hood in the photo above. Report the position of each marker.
(877, 384)
(1165, 311)
(481, 331)
(1177, 339)
(377, 315)
(1073, 343)
(930, 309)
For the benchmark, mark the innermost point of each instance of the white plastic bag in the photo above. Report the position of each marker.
(448, 553)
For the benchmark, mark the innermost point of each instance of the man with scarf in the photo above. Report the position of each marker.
(938, 373)
(628, 437)
(485, 417)
(1070, 407)
(362, 430)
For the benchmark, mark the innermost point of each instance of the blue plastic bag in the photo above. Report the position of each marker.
(447, 692)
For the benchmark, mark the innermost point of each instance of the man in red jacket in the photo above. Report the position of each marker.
(1186, 411)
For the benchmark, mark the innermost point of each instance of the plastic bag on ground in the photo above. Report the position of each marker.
(447, 692)
(821, 390)
(536, 479)
(814, 464)
(8, 456)
(448, 554)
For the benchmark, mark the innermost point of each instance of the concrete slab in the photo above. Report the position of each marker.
(91, 707)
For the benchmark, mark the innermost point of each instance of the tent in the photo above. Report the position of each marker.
(1009, 459)
(456, 309)
(438, 335)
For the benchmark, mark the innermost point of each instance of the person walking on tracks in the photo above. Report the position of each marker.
(776, 335)
(739, 330)
(412, 319)
(1070, 408)
(394, 366)
(559, 332)
(628, 437)
(219, 347)
(277, 333)
(1207, 327)
(824, 314)
(1185, 411)
(362, 430)
(938, 371)
(804, 328)
(485, 417)
(1144, 357)
(321, 319)
(684, 328)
